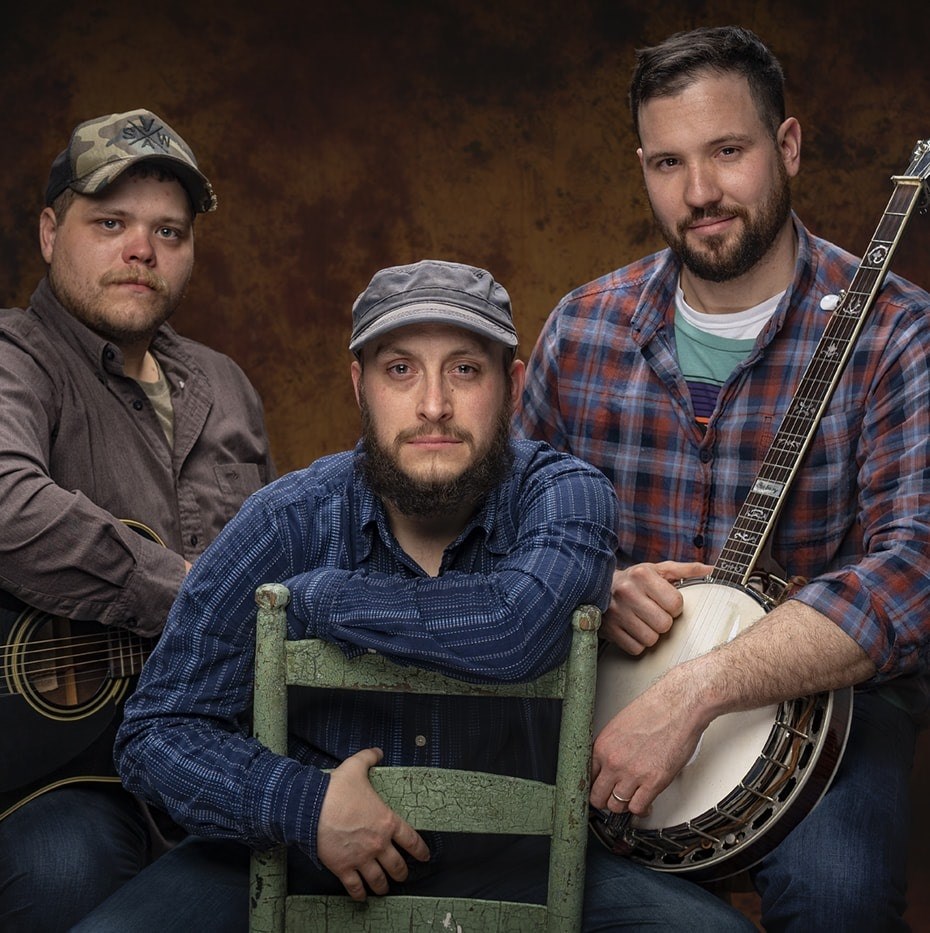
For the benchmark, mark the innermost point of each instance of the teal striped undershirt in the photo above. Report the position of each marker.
(706, 361)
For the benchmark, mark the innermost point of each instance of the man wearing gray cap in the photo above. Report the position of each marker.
(436, 541)
(124, 449)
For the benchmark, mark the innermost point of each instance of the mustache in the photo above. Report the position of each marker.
(708, 213)
(136, 276)
(430, 430)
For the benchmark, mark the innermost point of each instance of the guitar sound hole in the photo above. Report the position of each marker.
(63, 663)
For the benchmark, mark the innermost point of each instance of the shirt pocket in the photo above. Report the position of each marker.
(237, 481)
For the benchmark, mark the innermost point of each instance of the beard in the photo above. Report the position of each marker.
(426, 497)
(718, 263)
(93, 308)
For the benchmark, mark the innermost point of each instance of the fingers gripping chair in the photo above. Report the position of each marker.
(429, 798)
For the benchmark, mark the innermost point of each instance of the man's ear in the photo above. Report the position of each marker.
(789, 145)
(357, 380)
(48, 229)
(517, 380)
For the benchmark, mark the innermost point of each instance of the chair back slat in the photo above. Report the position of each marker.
(322, 664)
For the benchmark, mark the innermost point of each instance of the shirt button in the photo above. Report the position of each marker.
(706, 456)
(698, 540)
(193, 540)
(420, 741)
(137, 404)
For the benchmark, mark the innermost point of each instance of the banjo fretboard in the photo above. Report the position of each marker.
(759, 512)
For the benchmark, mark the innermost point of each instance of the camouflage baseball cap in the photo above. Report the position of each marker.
(100, 150)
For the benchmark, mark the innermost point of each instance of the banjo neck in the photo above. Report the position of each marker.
(761, 509)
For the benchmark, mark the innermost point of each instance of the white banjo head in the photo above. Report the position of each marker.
(754, 774)
(712, 614)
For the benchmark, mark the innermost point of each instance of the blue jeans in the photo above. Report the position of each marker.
(65, 852)
(842, 868)
(202, 885)
(623, 895)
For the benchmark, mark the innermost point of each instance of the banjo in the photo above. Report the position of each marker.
(754, 774)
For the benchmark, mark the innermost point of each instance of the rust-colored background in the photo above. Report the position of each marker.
(343, 137)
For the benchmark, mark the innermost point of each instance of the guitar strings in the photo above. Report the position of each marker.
(117, 640)
(68, 659)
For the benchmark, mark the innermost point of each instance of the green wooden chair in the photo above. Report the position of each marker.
(430, 798)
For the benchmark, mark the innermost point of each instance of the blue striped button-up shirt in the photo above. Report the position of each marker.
(499, 610)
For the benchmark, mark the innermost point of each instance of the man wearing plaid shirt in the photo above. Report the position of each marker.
(672, 376)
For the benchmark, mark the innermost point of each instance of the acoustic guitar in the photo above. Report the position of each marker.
(62, 683)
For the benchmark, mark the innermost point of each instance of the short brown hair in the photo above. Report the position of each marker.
(669, 67)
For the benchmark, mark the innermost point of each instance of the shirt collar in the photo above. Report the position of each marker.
(657, 298)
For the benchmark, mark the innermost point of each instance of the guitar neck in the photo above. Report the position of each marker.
(762, 507)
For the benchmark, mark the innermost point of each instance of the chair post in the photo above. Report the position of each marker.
(268, 887)
(570, 821)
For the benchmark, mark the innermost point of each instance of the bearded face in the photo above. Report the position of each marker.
(425, 494)
(727, 257)
(717, 175)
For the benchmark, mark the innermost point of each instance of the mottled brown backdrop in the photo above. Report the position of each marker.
(342, 137)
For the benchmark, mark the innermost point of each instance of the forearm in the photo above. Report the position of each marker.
(792, 651)
(501, 617)
(503, 627)
(222, 785)
(63, 554)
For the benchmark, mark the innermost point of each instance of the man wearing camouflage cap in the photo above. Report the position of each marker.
(111, 425)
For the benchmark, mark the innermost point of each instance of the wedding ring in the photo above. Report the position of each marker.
(620, 799)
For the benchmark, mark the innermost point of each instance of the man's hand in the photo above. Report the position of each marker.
(639, 752)
(644, 602)
(791, 651)
(359, 837)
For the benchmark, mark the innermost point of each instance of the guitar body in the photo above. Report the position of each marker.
(62, 683)
(57, 697)
(754, 774)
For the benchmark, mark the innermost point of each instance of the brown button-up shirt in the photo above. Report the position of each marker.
(81, 450)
